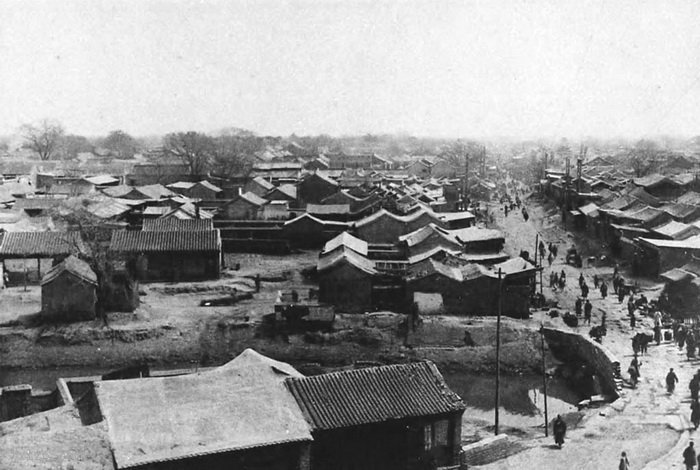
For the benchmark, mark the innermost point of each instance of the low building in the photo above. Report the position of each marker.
(171, 255)
(69, 291)
(394, 417)
(346, 280)
(247, 206)
(239, 415)
(315, 187)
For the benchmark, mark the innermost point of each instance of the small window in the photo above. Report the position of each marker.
(436, 434)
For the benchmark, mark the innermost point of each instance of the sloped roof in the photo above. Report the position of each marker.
(676, 230)
(306, 216)
(243, 404)
(373, 395)
(645, 197)
(338, 209)
(253, 198)
(348, 256)
(181, 185)
(692, 243)
(429, 267)
(74, 266)
(676, 275)
(347, 240)
(118, 191)
(418, 236)
(155, 191)
(210, 186)
(452, 216)
(691, 197)
(652, 180)
(153, 242)
(475, 234)
(288, 190)
(99, 180)
(40, 244)
(177, 225)
(514, 266)
(423, 255)
(259, 180)
(645, 215)
(381, 213)
(323, 177)
(680, 210)
(589, 210)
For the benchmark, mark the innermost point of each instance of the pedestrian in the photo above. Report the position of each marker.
(581, 280)
(633, 320)
(542, 248)
(657, 334)
(578, 306)
(584, 290)
(550, 258)
(562, 275)
(630, 306)
(624, 463)
(694, 387)
(505, 209)
(596, 280)
(671, 380)
(587, 310)
(603, 290)
(602, 319)
(690, 344)
(681, 335)
(620, 294)
(689, 456)
(555, 250)
(695, 412)
(257, 283)
(559, 428)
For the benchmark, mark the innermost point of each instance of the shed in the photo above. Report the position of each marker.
(69, 291)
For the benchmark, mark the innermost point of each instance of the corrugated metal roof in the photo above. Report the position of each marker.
(156, 241)
(177, 225)
(73, 265)
(40, 244)
(373, 395)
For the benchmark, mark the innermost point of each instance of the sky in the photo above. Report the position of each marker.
(521, 68)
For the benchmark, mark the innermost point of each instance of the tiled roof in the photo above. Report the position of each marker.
(346, 255)
(373, 395)
(150, 242)
(73, 265)
(476, 234)
(177, 225)
(40, 244)
(209, 186)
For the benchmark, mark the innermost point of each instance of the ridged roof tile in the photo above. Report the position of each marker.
(373, 395)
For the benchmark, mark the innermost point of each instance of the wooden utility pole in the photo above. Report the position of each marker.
(544, 384)
(498, 349)
(567, 181)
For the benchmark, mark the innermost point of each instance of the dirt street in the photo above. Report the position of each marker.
(651, 425)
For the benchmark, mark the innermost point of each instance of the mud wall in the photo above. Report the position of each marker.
(568, 345)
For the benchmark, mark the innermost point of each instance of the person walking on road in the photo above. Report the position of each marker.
(603, 289)
(624, 463)
(690, 458)
(587, 310)
(596, 281)
(581, 280)
(584, 290)
(671, 380)
(695, 413)
(559, 428)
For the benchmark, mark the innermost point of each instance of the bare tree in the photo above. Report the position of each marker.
(124, 145)
(233, 155)
(193, 148)
(643, 157)
(44, 137)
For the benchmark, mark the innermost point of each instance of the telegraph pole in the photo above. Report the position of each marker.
(498, 348)
(567, 180)
(544, 384)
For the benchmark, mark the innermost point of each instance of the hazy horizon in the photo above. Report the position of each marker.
(515, 69)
